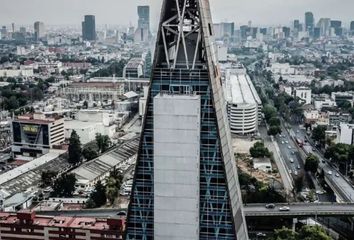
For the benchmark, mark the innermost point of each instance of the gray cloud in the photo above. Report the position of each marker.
(124, 11)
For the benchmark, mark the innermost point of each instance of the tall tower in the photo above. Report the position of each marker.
(309, 22)
(185, 184)
(142, 33)
(89, 28)
(39, 30)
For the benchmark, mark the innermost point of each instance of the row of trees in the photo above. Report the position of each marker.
(91, 151)
(271, 117)
(109, 191)
(305, 233)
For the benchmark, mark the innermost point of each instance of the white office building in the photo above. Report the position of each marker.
(304, 94)
(243, 103)
(345, 133)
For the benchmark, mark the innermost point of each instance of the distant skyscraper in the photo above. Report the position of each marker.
(337, 26)
(224, 30)
(352, 26)
(316, 32)
(89, 28)
(324, 24)
(142, 33)
(23, 30)
(309, 22)
(286, 31)
(297, 25)
(186, 183)
(39, 31)
(13, 27)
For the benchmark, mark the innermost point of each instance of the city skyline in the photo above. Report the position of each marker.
(259, 12)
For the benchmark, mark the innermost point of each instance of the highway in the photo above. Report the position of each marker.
(300, 210)
(250, 210)
(338, 183)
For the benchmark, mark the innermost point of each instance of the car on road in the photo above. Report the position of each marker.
(287, 142)
(284, 209)
(295, 173)
(290, 172)
(282, 142)
(293, 153)
(337, 174)
(329, 172)
(298, 167)
(289, 147)
(291, 160)
(270, 206)
(260, 234)
(297, 131)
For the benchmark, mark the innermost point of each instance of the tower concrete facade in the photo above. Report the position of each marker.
(186, 184)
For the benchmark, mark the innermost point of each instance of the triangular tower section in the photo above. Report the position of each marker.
(185, 184)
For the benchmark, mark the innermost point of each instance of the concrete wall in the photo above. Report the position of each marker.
(176, 167)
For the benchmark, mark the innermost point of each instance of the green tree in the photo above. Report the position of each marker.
(269, 112)
(305, 233)
(47, 177)
(111, 189)
(98, 196)
(319, 134)
(274, 130)
(89, 153)
(284, 234)
(259, 150)
(103, 142)
(64, 186)
(311, 163)
(313, 233)
(75, 150)
(274, 121)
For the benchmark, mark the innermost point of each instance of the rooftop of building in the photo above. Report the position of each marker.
(98, 84)
(101, 165)
(30, 218)
(240, 90)
(37, 118)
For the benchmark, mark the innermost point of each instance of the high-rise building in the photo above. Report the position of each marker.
(337, 26)
(39, 31)
(224, 30)
(297, 25)
(142, 33)
(309, 22)
(325, 26)
(89, 28)
(352, 26)
(286, 31)
(316, 32)
(185, 183)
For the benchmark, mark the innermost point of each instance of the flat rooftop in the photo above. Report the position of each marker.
(60, 221)
(101, 165)
(240, 90)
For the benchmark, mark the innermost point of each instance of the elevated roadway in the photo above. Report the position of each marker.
(301, 210)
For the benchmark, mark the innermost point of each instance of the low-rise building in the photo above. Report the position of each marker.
(262, 164)
(304, 94)
(94, 91)
(134, 68)
(336, 118)
(35, 134)
(27, 225)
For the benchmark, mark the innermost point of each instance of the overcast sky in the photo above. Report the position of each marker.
(123, 12)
